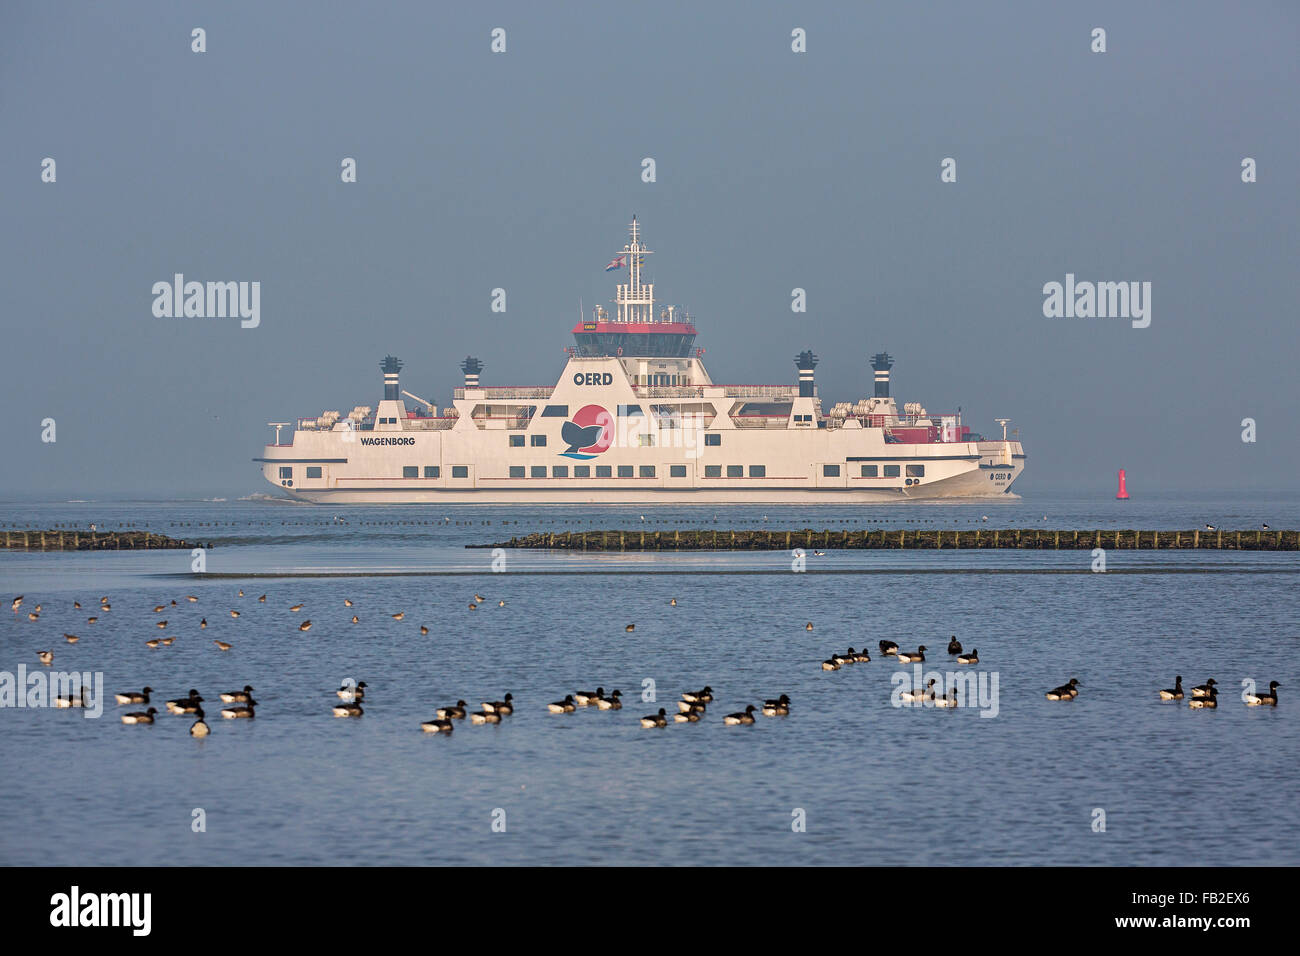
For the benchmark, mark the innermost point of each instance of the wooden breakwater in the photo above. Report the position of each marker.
(906, 539)
(37, 540)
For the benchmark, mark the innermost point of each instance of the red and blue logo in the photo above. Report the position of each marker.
(590, 432)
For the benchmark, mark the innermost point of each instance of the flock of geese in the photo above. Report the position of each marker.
(1202, 696)
(691, 708)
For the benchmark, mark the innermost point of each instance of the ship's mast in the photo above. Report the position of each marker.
(635, 302)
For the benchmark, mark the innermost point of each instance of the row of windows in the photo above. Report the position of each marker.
(602, 471)
(539, 441)
(891, 471)
(626, 471)
(735, 471)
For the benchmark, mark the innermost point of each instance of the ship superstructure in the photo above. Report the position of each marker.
(635, 418)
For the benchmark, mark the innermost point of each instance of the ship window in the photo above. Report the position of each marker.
(604, 471)
(555, 411)
(559, 471)
(286, 471)
(645, 441)
(647, 471)
(758, 471)
(916, 471)
(830, 471)
(537, 440)
(677, 471)
(538, 471)
(713, 439)
(625, 471)
(891, 471)
(410, 471)
(582, 471)
(712, 471)
(516, 471)
(432, 471)
(516, 441)
(735, 471)
(460, 471)
(313, 471)
(625, 410)
(870, 471)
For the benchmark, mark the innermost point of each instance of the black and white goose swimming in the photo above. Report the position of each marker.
(345, 709)
(240, 711)
(1210, 700)
(503, 707)
(485, 717)
(1206, 689)
(1065, 691)
(845, 658)
(831, 664)
(655, 720)
(185, 705)
(972, 658)
(566, 706)
(919, 694)
(585, 697)
(949, 700)
(691, 713)
(862, 657)
(352, 691)
(1175, 692)
(45, 657)
(702, 696)
(612, 702)
(1252, 700)
(200, 726)
(71, 700)
(912, 657)
(134, 697)
(954, 645)
(140, 718)
(888, 647)
(780, 707)
(456, 712)
(745, 716)
(238, 696)
(442, 725)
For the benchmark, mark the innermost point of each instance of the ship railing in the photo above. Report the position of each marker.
(670, 391)
(762, 391)
(497, 392)
(760, 421)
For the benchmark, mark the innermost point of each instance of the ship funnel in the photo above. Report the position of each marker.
(805, 361)
(471, 367)
(391, 366)
(882, 363)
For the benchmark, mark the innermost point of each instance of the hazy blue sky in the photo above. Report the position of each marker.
(775, 170)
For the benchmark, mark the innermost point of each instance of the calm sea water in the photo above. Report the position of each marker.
(876, 783)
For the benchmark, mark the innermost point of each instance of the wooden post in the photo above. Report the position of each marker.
(1219, 541)
(1196, 538)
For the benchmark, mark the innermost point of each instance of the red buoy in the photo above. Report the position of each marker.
(1122, 494)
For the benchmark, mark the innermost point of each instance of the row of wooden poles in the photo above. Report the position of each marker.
(88, 540)
(934, 539)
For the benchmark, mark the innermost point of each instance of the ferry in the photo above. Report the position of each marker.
(636, 419)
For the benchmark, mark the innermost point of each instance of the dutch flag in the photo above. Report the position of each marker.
(615, 263)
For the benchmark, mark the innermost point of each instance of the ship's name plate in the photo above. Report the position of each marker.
(593, 378)
(388, 441)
